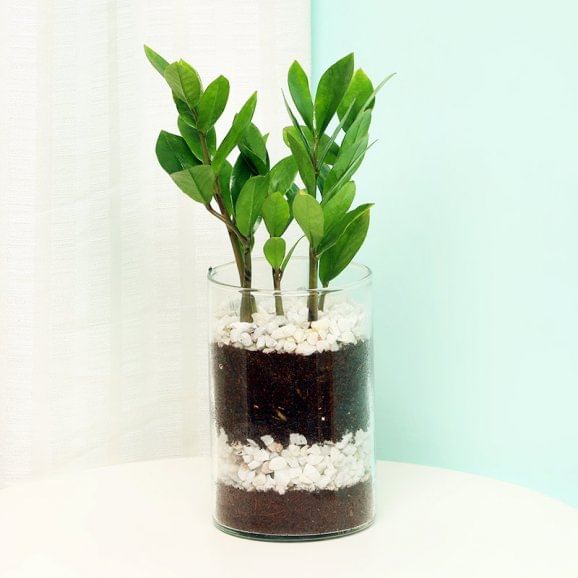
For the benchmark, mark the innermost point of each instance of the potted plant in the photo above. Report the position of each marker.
(290, 347)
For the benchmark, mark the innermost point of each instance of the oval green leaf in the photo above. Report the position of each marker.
(303, 161)
(184, 82)
(330, 91)
(338, 205)
(358, 92)
(196, 182)
(283, 174)
(341, 228)
(274, 250)
(212, 103)
(240, 123)
(193, 138)
(173, 153)
(249, 204)
(336, 259)
(276, 214)
(309, 215)
(300, 93)
(156, 60)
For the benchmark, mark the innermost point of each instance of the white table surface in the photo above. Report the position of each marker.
(153, 519)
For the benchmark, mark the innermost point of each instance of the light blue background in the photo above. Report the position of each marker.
(474, 239)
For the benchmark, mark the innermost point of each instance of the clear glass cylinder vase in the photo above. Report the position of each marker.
(292, 404)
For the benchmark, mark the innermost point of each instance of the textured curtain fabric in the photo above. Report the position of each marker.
(102, 261)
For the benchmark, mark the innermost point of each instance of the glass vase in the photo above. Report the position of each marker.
(291, 404)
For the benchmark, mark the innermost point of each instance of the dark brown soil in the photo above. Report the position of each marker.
(322, 396)
(295, 513)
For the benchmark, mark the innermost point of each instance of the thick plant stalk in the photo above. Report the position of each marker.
(313, 299)
(242, 257)
(322, 298)
(277, 286)
(248, 305)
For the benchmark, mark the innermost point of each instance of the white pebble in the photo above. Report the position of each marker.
(305, 349)
(261, 456)
(270, 342)
(311, 472)
(242, 326)
(290, 345)
(267, 440)
(260, 480)
(297, 439)
(245, 339)
(278, 463)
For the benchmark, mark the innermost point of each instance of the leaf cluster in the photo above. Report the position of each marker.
(328, 159)
(328, 139)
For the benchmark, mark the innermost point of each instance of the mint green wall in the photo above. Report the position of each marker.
(474, 238)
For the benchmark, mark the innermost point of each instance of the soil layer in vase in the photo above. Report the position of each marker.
(295, 513)
(321, 396)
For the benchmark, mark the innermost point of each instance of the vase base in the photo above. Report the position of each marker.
(292, 538)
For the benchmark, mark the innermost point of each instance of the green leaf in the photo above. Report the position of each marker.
(193, 138)
(348, 156)
(184, 82)
(299, 130)
(290, 254)
(370, 100)
(185, 112)
(156, 60)
(212, 103)
(309, 214)
(173, 153)
(323, 172)
(330, 150)
(328, 192)
(358, 92)
(338, 205)
(330, 91)
(276, 214)
(225, 184)
(282, 175)
(290, 194)
(249, 203)
(358, 129)
(303, 161)
(253, 146)
(336, 259)
(240, 123)
(197, 182)
(241, 174)
(350, 119)
(300, 93)
(274, 249)
(341, 228)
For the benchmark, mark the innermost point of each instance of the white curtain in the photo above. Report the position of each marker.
(102, 261)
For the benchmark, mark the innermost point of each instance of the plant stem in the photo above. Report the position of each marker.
(234, 235)
(248, 305)
(322, 298)
(277, 286)
(313, 299)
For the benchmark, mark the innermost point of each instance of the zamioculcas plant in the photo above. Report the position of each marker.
(199, 166)
(291, 371)
(326, 167)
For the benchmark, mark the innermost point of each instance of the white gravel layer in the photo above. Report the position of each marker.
(270, 466)
(340, 323)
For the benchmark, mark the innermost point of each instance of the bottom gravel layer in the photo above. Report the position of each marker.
(296, 513)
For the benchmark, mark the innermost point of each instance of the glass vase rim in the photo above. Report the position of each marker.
(365, 277)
